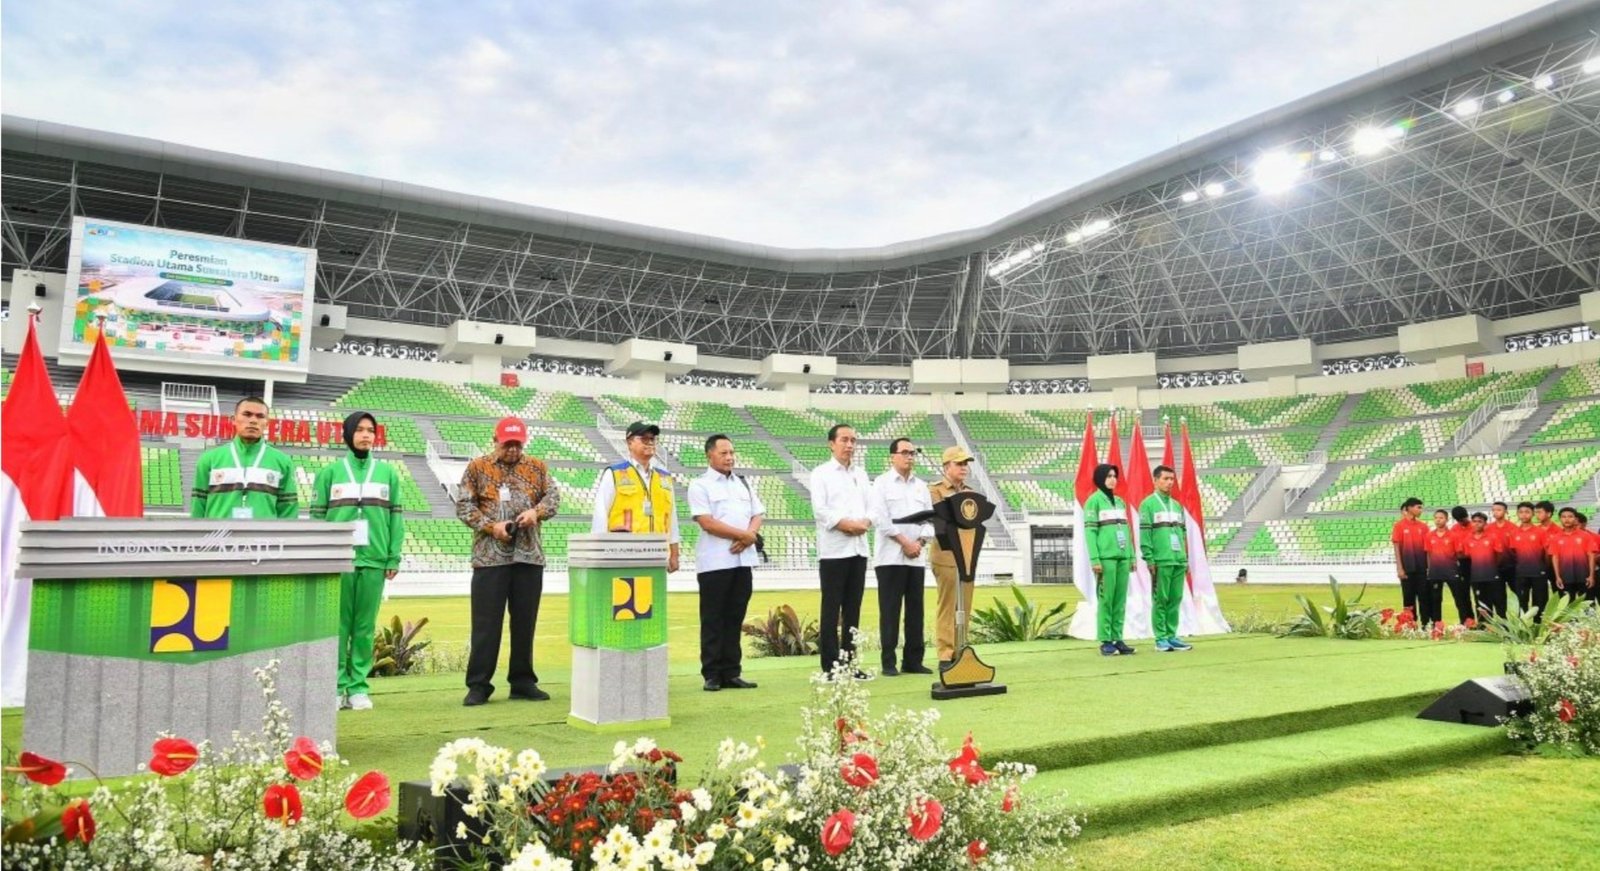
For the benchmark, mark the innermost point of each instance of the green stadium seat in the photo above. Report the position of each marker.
(1581, 380)
(1256, 414)
(1438, 397)
(1552, 473)
(1573, 422)
(1401, 438)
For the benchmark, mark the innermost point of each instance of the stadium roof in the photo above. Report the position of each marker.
(1463, 180)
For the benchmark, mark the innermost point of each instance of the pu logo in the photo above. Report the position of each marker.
(190, 614)
(632, 598)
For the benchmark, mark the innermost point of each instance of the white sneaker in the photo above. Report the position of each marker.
(344, 702)
(360, 702)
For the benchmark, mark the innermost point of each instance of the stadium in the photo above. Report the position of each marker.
(1383, 290)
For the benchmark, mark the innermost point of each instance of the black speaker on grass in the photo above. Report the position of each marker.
(1482, 701)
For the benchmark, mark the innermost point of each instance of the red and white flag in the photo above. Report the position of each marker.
(36, 485)
(1201, 613)
(1137, 485)
(104, 443)
(1083, 620)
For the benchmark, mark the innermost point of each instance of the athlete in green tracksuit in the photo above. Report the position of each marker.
(1110, 541)
(246, 478)
(1163, 544)
(363, 490)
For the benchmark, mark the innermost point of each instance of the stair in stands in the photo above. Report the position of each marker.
(439, 504)
(188, 458)
(1335, 426)
(1240, 540)
(1541, 415)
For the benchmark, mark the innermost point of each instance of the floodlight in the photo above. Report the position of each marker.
(1074, 237)
(1369, 141)
(1544, 82)
(1189, 196)
(1592, 65)
(1277, 171)
(1505, 96)
(1096, 227)
(1215, 189)
(1467, 108)
(1327, 155)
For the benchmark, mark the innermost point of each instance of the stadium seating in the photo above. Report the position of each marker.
(1395, 439)
(1573, 422)
(1036, 495)
(1439, 397)
(1219, 490)
(1323, 536)
(1254, 449)
(1581, 380)
(1554, 473)
(699, 418)
(383, 393)
(688, 453)
(551, 444)
(1001, 426)
(810, 423)
(512, 399)
(551, 406)
(163, 478)
(1048, 459)
(1254, 414)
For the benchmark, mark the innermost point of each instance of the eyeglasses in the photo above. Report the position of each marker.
(917, 453)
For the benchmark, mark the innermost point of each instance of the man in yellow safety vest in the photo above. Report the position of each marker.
(635, 495)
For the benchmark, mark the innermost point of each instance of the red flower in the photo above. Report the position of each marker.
(860, 772)
(1438, 630)
(967, 764)
(303, 760)
(1573, 661)
(926, 818)
(1386, 615)
(976, 850)
(1470, 623)
(838, 831)
(1566, 711)
(1009, 803)
(77, 823)
(172, 756)
(282, 803)
(39, 769)
(1533, 656)
(368, 796)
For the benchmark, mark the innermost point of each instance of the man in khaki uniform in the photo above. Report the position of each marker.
(955, 462)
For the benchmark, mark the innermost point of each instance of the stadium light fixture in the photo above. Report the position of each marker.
(1544, 82)
(1327, 155)
(1592, 65)
(1277, 171)
(1190, 196)
(1215, 189)
(1074, 237)
(1467, 108)
(1369, 141)
(1505, 96)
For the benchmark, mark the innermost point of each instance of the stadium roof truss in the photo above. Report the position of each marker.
(1464, 180)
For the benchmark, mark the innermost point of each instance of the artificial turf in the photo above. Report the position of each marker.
(1495, 812)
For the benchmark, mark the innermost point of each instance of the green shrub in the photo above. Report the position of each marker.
(1343, 619)
(396, 650)
(782, 634)
(1527, 627)
(1023, 622)
(1562, 675)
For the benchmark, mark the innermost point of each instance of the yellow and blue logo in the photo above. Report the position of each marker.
(632, 598)
(190, 614)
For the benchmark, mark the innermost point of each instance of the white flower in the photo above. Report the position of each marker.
(687, 811)
(535, 857)
(716, 831)
(643, 746)
(702, 799)
(705, 850)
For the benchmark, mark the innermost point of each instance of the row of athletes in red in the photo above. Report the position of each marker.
(1487, 558)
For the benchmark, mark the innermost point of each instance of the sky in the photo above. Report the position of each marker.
(832, 124)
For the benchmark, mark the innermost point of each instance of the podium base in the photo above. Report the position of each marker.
(942, 692)
(578, 722)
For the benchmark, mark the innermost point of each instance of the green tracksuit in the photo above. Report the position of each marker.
(1110, 541)
(354, 490)
(1165, 549)
(235, 481)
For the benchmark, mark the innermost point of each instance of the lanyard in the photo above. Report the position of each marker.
(239, 464)
(360, 494)
(1166, 504)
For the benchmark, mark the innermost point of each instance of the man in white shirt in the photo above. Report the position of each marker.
(900, 570)
(729, 513)
(635, 495)
(839, 500)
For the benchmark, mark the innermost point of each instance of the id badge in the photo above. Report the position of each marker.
(1122, 538)
(243, 512)
(1176, 544)
(362, 533)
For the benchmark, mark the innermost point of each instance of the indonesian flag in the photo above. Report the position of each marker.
(104, 440)
(1136, 486)
(1083, 620)
(36, 485)
(1201, 613)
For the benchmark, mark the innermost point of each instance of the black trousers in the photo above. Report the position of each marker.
(1491, 596)
(498, 591)
(1533, 592)
(1413, 588)
(724, 598)
(1461, 592)
(901, 585)
(843, 583)
(1431, 602)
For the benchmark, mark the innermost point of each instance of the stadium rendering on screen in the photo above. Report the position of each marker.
(173, 297)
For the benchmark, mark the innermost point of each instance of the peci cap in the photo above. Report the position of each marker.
(955, 454)
(639, 427)
(510, 429)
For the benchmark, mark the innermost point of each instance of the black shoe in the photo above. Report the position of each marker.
(890, 671)
(1124, 649)
(712, 686)
(739, 683)
(531, 695)
(863, 676)
(917, 669)
(474, 699)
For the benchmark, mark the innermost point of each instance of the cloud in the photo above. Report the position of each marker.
(847, 124)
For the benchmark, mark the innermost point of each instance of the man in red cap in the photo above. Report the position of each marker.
(504, 497)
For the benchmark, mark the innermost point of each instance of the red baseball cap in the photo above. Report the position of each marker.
(510, 429)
